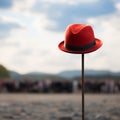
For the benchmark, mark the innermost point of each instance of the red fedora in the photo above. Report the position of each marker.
(79, 39)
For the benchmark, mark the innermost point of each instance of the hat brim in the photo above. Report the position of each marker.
(94, 48)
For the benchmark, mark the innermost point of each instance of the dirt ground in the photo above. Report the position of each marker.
(59, 107)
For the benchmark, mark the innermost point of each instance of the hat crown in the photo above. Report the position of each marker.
(79, 35)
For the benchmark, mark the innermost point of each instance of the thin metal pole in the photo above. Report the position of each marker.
(83, 87)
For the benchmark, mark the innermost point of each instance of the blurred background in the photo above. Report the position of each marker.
(30, 61)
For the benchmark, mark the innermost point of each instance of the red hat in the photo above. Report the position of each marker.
(79, 39)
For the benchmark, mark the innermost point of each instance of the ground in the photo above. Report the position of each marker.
(59, 107)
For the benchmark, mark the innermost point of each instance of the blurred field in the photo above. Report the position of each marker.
(110, 98)
(59, 106)
(107, 99)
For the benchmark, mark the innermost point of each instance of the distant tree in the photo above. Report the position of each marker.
(4, 73)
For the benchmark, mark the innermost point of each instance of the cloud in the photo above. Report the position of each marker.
(64, 14)
(67, 2)
(22, 6)
(6, 26)
(117, 5)
(5, 4)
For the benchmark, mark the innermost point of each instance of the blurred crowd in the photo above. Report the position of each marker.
(57, 86)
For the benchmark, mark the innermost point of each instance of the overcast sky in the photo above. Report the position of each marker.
(30, 31)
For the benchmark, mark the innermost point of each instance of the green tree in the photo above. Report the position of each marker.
(4, 73)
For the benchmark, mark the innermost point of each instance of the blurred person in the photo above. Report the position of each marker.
(75, 86)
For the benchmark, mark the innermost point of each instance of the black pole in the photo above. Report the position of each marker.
(83, 87)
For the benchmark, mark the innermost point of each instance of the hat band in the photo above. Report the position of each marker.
(80, 48)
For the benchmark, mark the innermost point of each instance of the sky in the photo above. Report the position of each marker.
(30, 31)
